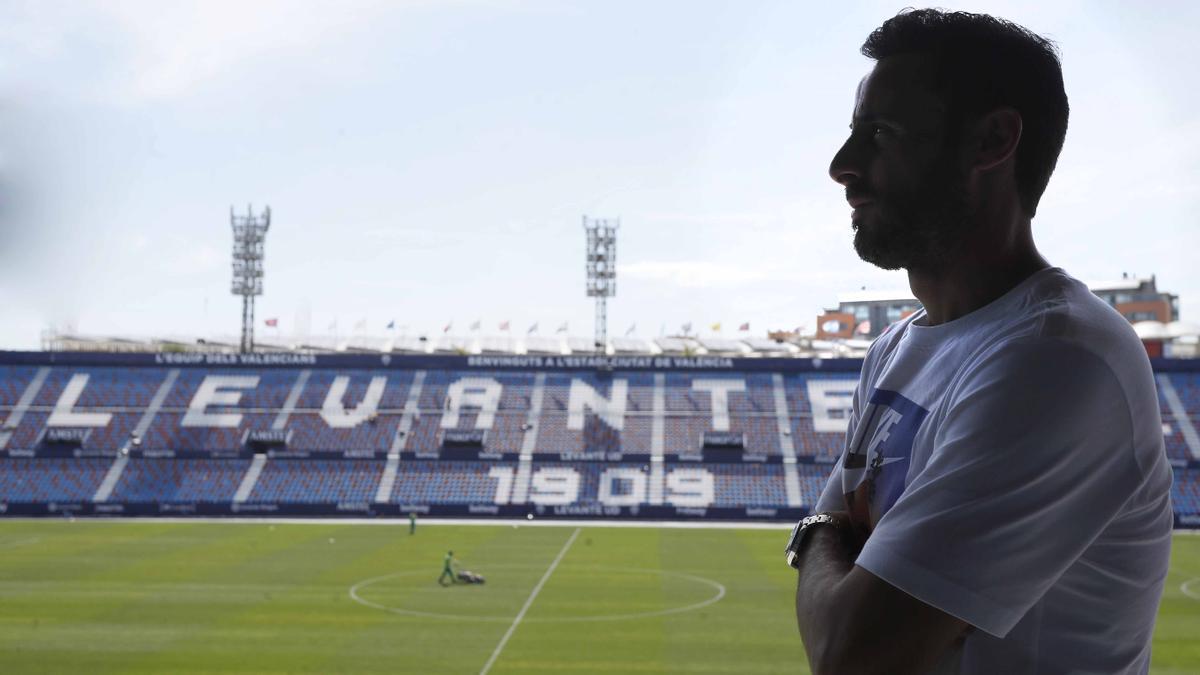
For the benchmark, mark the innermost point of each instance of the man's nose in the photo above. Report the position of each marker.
(845, 167)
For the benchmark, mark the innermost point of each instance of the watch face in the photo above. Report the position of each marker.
(792, 537)
(790, 551)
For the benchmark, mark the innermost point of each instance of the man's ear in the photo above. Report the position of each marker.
(995, 138)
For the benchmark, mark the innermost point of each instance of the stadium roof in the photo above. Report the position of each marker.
(470, 344)
(1157, 330)
(1129, 283)
(876, 296)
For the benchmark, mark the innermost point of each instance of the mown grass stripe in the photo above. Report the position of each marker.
(528, 602)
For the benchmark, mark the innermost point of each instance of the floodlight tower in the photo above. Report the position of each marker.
(601, 270)
(249, 234)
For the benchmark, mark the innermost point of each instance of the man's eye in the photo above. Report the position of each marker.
(873, 130)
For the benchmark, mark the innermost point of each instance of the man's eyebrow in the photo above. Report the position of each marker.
(871, 119)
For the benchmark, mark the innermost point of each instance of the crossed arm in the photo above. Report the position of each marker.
(851, 621)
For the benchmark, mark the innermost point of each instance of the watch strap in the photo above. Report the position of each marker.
(801, 529)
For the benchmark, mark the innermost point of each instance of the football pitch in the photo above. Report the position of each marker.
(258, 597)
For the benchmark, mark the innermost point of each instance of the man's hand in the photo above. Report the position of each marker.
(854, 533)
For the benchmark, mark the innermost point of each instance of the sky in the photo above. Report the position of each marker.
(430, 162)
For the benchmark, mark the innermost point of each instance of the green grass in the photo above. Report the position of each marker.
(160, 597)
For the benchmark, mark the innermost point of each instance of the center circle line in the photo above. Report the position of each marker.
(715, 598)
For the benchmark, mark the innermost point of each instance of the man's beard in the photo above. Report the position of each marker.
(920, 230)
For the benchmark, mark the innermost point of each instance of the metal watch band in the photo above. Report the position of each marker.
(798, 532)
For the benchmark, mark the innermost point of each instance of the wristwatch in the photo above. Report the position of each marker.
(793, 547)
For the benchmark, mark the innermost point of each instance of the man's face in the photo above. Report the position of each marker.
(901, 171)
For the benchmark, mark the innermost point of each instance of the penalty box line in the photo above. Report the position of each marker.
(528, 603)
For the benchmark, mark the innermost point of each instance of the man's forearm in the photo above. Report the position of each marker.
(848, 617)
(825, 561)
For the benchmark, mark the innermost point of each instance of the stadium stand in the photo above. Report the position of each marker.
(449, 435)
(50, 479)
(13, 381)
(295, 481)
(309, 420)
(430, 482)
(1177, 448)
(753, 485)
(179, 480)
(1186, 491)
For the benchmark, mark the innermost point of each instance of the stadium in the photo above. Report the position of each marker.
(556, 449)
(661, 437)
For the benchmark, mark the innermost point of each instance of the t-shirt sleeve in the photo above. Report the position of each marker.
(1032, 458)
(833, 497)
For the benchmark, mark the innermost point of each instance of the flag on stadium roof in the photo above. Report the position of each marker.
(532, 329)
(477, 325)
(361, 325)
(391, 324)
(687, 327)
(631, 329)
(562, 328)
(447, 327)
(504, 325)
(744, 327)
(716, 327)
(272, 322)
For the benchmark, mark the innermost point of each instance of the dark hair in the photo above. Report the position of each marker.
(983, 63)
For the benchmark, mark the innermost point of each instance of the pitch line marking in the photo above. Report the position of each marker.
(715, 585)
(529, 602)
(1186, 588)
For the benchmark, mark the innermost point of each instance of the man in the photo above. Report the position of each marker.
(1003, 503)
(448, 564)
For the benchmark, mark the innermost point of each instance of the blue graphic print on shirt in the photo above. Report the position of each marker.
(875, 468)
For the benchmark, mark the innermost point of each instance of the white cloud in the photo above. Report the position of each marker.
(415, 237)
(177, 45)
(698, 274)
(725, 206)
(125, 53)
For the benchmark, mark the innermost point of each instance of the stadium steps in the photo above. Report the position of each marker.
(411, 410)
(156, 403)
(657, 428)
(1180, 414)
(250, 479)
(791, 476)
(388, 480)
(27, 397)
(529, 441)
(281, 419)
(110, 479)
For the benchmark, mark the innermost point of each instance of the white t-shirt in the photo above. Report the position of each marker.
(1011, 463)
